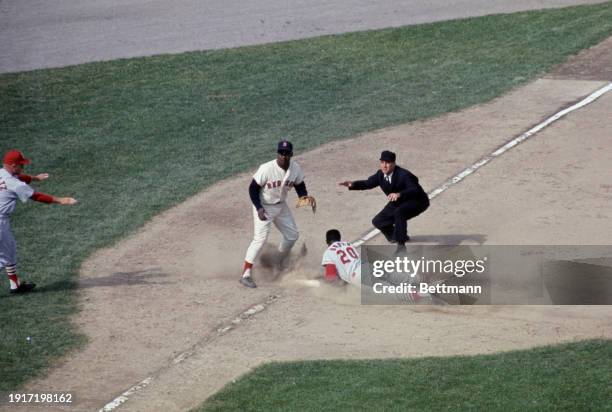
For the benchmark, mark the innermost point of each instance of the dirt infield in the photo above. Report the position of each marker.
(167, 290)
(592, 64)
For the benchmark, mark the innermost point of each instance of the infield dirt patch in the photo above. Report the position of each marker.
(594, 63)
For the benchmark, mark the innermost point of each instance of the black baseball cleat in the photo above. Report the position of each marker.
(24, 287)
(248, 282)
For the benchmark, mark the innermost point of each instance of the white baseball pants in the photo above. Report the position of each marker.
(281, 216)
(8, 247)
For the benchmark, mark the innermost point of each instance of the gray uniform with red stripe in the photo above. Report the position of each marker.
(11, 190)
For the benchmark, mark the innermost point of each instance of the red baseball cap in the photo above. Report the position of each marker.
(13, 157)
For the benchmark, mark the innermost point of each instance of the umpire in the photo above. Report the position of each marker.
(407, 198)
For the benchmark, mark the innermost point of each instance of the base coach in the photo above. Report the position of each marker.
(407, 198)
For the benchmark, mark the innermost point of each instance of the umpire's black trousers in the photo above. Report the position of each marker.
(392, 221)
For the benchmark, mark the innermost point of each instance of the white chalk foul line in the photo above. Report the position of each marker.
(220, 331)
(125, 395)
(498, 152)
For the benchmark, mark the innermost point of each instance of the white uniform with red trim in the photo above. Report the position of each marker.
(11, 190)
(275, 184)
(346, 258)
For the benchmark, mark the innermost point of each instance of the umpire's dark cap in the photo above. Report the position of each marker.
(387, 156)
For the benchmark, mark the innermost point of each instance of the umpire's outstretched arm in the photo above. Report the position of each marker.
(370, 183)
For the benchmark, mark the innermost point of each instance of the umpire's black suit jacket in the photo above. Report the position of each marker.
(402, 182)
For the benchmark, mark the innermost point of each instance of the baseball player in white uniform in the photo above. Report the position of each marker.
(268, 192)
(14, 185)
(341, 260)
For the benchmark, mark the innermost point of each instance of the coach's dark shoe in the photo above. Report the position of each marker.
(24, 287)
(248, 282)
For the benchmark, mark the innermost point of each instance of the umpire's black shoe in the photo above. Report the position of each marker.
(390, 239)
(401, 249)
(248, 282)
(24, 287)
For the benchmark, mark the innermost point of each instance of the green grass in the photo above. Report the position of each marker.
(131, 138)
(571, 377)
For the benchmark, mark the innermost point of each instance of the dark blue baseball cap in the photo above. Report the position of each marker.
(284, 146)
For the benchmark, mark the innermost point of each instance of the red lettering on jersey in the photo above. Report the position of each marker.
(3, 185)
(273, 185)
(352, 254)
(343, 258)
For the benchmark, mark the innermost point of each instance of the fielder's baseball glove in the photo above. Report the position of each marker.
(307, 201)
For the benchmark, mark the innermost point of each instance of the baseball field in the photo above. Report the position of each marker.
(138, 306)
